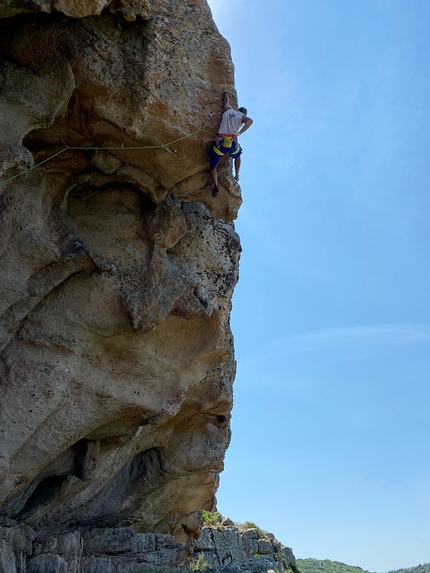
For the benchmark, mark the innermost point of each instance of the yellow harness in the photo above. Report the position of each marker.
(225, 139)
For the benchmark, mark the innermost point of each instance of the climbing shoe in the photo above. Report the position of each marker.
(215, 191)
(236, 177)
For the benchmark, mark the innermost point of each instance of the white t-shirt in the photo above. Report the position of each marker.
(231, 121)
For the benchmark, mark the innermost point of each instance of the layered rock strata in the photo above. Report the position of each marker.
(250, 549)
(221, 549)
(117, 266)
(117, 550)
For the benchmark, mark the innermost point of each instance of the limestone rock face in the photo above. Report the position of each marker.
(116, 265)
(108, 550)
(247, 549)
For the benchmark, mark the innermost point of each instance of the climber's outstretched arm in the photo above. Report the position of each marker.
(226, 101)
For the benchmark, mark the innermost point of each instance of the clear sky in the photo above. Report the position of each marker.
(331, 317)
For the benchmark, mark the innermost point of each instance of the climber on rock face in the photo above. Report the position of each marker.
(233, 124)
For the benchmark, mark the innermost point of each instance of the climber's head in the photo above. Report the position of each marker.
(243, 110)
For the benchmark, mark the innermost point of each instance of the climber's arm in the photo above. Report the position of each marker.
(247, 122)
(226, 101)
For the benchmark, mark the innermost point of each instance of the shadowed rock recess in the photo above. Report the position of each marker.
(117, 269)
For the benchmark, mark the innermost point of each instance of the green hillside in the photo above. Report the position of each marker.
(327, 566)
(419, 569)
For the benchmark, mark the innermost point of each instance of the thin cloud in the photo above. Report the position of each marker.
(357, 336)
(349, 341)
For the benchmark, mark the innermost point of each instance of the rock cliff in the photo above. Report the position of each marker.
(225, 548)
(244, 548)
(117, 266)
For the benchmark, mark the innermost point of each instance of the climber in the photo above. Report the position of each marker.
(226, 139)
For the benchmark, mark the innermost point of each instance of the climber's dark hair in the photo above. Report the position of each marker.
(243, 110)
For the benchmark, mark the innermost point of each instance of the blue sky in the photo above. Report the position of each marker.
(331, 315)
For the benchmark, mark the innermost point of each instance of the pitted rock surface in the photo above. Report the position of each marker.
(116, 267)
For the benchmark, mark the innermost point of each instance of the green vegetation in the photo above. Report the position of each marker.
(327, 566)
(214, 518)
(418, 569)
(293, 567)
(211, 517)
(200, 564)
(299, 566)
(251, 525)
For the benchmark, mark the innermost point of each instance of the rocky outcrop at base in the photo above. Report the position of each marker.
(249, 549)
(107, 550)
(222, 549)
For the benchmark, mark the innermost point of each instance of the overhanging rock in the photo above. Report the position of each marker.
(117, 266)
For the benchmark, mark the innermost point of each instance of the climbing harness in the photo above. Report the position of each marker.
(122, 148)
(225, 139)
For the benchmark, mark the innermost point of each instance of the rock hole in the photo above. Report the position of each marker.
(44, 493)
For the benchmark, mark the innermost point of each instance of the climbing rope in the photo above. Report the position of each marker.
(67, 148)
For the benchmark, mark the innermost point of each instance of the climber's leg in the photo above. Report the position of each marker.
(237, 163)
(215, 158)
(237, 160)
(214, 175)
